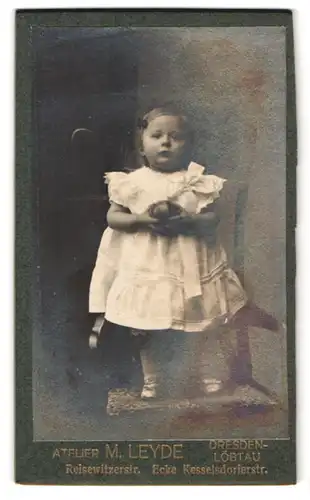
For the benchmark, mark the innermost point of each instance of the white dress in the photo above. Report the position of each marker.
(151, 282)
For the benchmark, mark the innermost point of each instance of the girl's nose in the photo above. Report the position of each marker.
(166, 140)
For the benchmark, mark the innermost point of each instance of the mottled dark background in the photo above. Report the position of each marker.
(232, 83)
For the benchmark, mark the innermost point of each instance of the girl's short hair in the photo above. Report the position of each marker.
(169, 109)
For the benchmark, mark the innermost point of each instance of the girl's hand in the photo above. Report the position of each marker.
(143, 221)
(148, 223)
(121, 219)
(162, 230)
(163, 212)
(182, 224)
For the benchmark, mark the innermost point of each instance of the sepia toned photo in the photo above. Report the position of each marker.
(159, 236)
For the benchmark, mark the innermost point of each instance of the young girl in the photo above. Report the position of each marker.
(160, 269)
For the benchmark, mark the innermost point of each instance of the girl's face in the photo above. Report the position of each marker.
(165, 143)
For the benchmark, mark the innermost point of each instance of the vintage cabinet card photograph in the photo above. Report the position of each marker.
(155, 261)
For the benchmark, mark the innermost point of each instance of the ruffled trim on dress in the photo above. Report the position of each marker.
(133, 190)
(147, 304)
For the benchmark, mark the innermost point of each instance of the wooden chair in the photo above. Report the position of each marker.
(233, 210)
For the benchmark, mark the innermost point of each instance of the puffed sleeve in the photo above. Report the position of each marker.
(207, 189)
(121, 189)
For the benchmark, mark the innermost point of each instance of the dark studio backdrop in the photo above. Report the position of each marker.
(231, 81)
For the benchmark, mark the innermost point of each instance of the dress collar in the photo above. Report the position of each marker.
(192, 169)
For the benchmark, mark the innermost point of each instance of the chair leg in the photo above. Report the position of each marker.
(241, 370)
(241, 362)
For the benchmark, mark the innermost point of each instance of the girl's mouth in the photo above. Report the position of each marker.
(164, 154)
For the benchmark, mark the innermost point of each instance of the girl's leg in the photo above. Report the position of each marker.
(149, 362)
(193, 365)
(177, 362)
(150, 370)
(208, 370)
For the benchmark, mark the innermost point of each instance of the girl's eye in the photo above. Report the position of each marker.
(156, 136)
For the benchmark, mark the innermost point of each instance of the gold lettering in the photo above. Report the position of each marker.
(178, 451)
(168, 449)
(154, 450)
(56, 453)
(111, 452)
(259, 444)
(130, 451)
(163, 470)
(69, 469)
(237, 444)
(143, 448)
